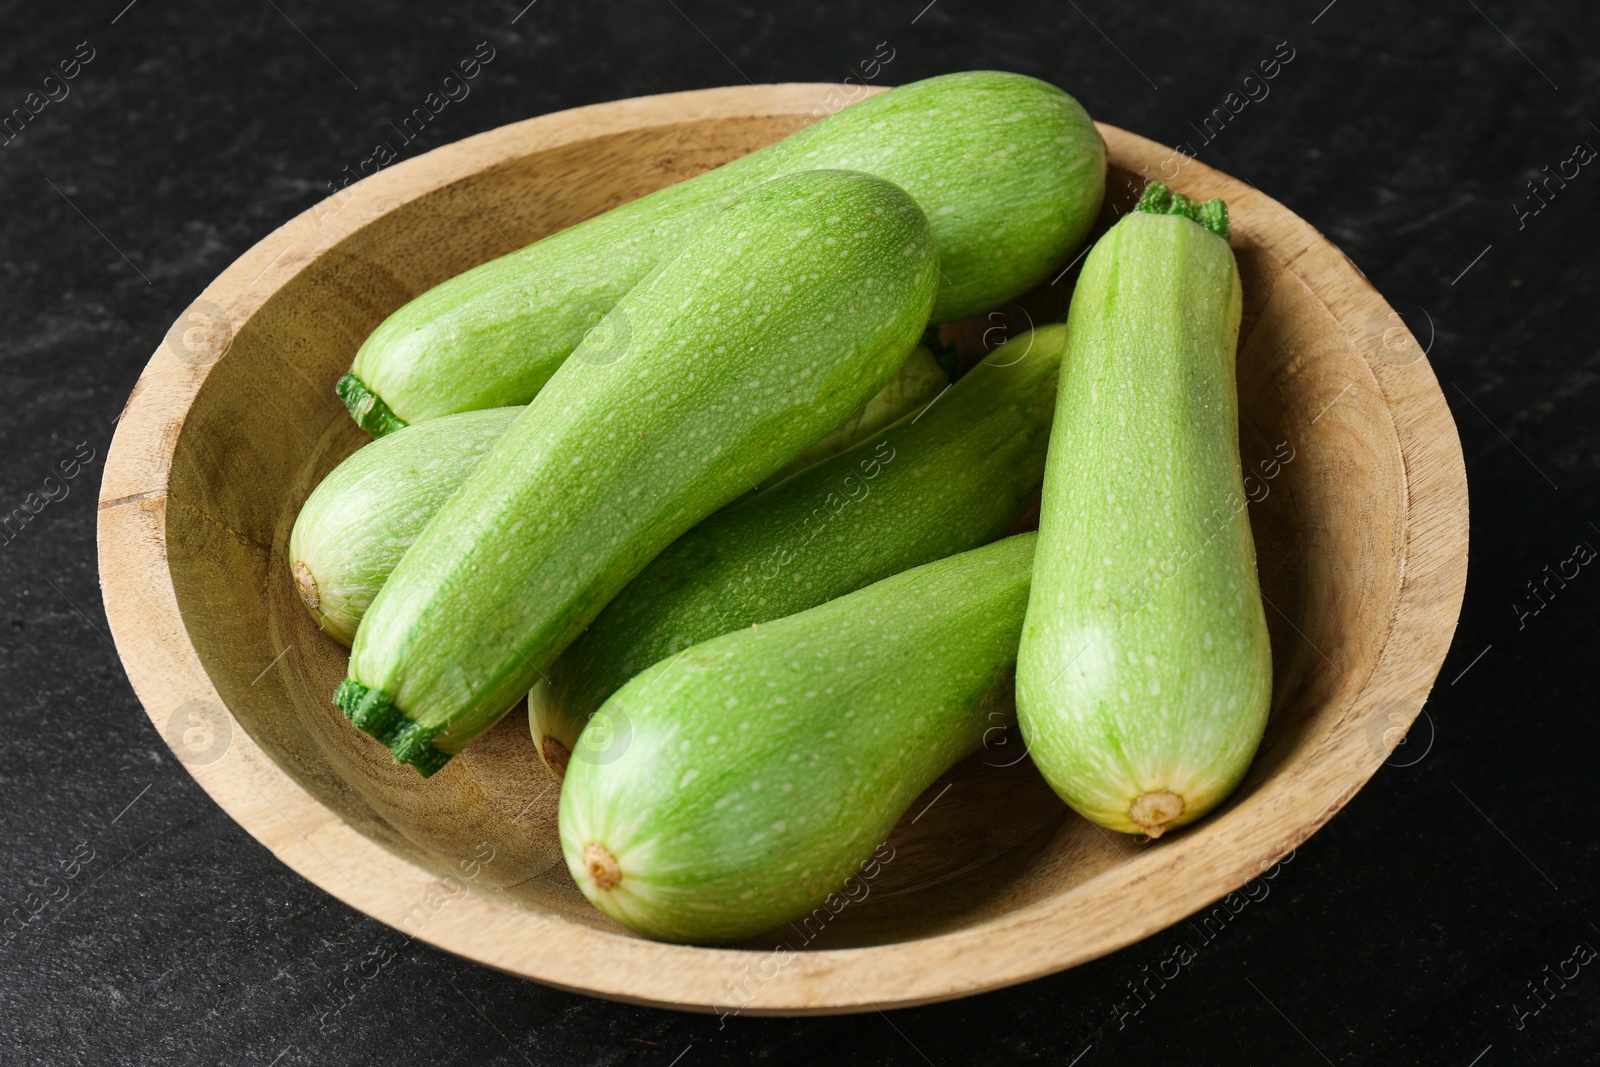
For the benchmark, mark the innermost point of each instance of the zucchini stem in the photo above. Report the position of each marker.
(367, 408)
(1157, 199)
(373, 711)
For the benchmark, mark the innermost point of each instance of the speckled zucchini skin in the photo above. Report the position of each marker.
(782, 317)
(949, 479)
(1009, 169)
(1145, 674)
(354, 528)
(919, 380)
(766, 765)
(363, 516)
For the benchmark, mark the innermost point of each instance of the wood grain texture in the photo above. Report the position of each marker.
(1362, 537)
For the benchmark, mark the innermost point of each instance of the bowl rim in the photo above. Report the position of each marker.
(1212, 860)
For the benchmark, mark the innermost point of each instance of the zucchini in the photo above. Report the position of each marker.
(1145, 674)
(771, 764)
(783, 316)
(919, 381)
(950, 479)
(1009, 169)
(363, 516)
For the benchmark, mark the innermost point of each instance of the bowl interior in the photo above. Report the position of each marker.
(990, 841)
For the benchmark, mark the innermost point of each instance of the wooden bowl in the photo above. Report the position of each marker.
(1362, 537)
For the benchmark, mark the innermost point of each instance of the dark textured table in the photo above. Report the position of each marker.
(1443, 918)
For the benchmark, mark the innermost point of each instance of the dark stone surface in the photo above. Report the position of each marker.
(1407, 931)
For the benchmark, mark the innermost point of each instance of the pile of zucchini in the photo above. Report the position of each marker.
(684, 478)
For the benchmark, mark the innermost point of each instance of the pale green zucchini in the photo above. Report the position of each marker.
(362, 517)
(919, 381)
(783, 316)
(1145, 674)
(1010, 171)
(770, 762)
(360, 520)
(950, 479)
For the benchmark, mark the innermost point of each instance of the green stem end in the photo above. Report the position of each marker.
(1159, 200)
(367, 408)
(373, 711)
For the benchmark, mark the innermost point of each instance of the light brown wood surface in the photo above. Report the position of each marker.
(1362, 540)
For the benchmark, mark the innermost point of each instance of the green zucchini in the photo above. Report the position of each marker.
(363, 516)
(771, 763)
(950, 479)
(1144, 676)
(783, 316)
(1009, 169)
(919, 381)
